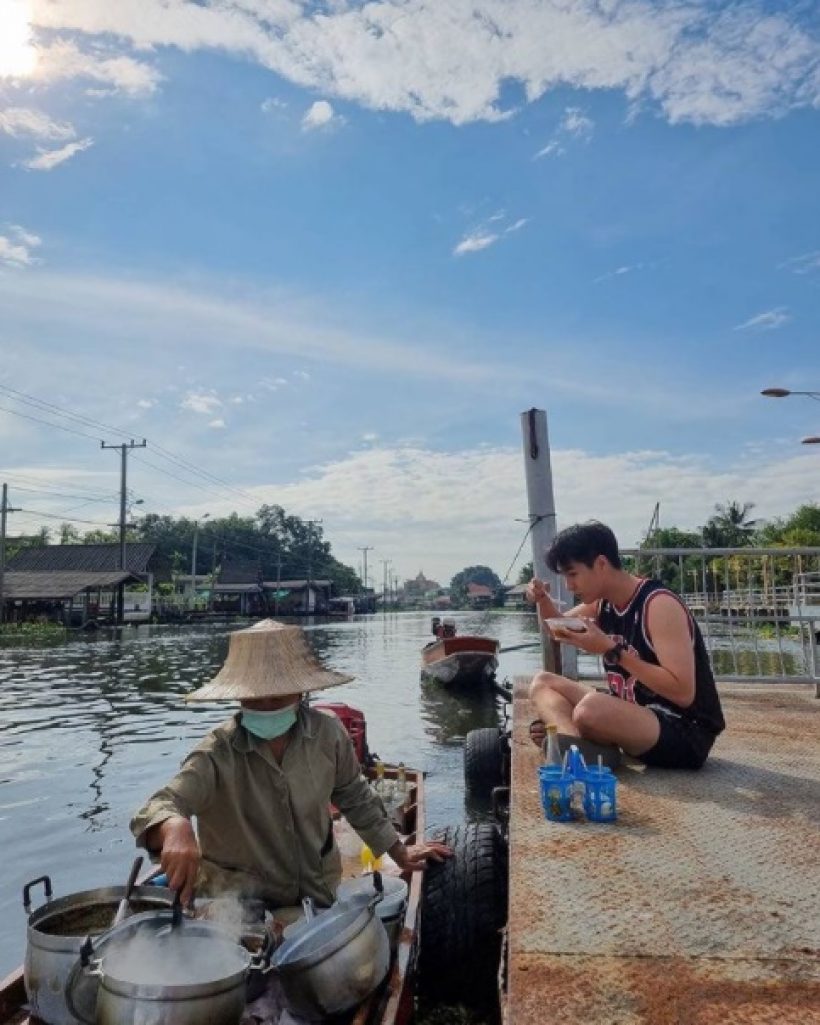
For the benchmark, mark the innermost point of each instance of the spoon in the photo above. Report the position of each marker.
(122, 910)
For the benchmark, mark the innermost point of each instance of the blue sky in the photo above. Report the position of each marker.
(329, 252)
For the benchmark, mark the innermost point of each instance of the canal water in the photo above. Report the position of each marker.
(88, 729)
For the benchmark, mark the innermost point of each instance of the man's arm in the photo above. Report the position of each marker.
(538, 594)
(668, 626)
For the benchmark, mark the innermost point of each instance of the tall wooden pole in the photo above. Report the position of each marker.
(541, 511)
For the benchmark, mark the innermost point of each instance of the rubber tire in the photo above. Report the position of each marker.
(483, 759)
(463, 911)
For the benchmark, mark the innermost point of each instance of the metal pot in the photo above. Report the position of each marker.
(336, 962)
(158, 969)
(55, 933)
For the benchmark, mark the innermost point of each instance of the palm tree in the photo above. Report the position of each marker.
(730, 527)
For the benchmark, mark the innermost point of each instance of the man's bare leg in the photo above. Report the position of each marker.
(580, 711)
(554, 699)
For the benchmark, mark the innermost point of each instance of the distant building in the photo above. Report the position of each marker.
(515, 597)
(77, 584)
(479, 596)
(421, 587)
(298, 597)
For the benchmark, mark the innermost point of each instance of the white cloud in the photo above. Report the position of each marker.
(146, 403)
(806, 263)
(482, 237)
(22, 121)
(116, 72)
(272, 104)
(694, 62)
(470, 499)
(769, 320)
(206, 403)
(17, 247)
(303, 375)
(475, 241)
(574, 125)
(319, 115)
(217, 424)
(47, 160)
(626, 268)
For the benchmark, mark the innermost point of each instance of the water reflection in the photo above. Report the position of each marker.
(449, 715)
(89, 728)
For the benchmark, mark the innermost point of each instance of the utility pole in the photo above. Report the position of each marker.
(541, 503)
(364, 551)
(310, 526)
(193, 560)
(124, 449)
(385, 563)
(278, 581)
(5, 509)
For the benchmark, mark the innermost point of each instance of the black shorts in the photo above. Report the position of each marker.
(682, 744)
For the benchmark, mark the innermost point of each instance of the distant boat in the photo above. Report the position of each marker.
(459, 660)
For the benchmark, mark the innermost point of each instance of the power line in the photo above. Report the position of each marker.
(48, 423)
(64, 518)
(161, 451)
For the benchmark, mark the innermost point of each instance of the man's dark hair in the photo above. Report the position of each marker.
(583, 542)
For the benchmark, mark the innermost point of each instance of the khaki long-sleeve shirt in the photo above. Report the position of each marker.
(265, 829)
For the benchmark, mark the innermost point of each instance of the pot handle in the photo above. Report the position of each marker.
(87, 966)
(308, 908)
(46, 881)
(260, 962)
(378, 885)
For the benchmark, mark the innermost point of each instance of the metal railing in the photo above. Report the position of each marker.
(758, 608)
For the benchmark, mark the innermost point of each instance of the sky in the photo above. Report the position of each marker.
(325, 254)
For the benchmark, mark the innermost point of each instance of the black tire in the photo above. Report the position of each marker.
(463, 911)
(483, 759)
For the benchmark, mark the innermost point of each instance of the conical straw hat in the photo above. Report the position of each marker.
(268, 660)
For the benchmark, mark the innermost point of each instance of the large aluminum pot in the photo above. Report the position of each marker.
(55, 934)
(160, 969)
(335, 963)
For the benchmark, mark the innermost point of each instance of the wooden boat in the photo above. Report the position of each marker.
(392, 1002)
(460, 660)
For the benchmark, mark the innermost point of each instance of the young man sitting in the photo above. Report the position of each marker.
(662, 706)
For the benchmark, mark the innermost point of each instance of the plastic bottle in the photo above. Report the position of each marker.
(401, 790)
(383, 787)
(552, 752)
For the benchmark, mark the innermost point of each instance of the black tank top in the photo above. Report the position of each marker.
(629, 625)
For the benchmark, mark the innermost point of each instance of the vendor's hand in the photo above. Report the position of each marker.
(537, 590)
(180, 856)
(538, 731)
(417, 857)
(593, 640)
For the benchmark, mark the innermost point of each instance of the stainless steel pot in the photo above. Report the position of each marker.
(154, 970)
(336, 962)
(55, 933)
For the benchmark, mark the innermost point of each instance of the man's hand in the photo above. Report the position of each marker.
(537, 590)
(417, 857)
(180, 856)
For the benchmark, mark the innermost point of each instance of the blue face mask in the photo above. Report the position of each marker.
(269, 725)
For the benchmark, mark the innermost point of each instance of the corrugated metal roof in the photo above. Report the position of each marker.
(104, 558)
(44, 586)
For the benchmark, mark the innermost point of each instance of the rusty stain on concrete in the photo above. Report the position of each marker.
(700, 906)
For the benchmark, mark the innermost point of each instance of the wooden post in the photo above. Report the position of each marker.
(541, 506)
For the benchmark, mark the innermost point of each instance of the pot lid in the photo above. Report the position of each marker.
(395, 889)
(322, 936)
(151, 928)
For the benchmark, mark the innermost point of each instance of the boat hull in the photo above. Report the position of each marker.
(458, 661)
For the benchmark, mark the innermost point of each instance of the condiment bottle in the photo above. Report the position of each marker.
(552, 752)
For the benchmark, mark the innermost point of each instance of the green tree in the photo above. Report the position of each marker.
(525, 574)
(730, 526)
(69, 535)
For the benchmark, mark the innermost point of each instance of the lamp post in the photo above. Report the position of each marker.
(193, 559)
(784, 393)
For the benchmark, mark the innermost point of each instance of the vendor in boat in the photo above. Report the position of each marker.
(260, 785)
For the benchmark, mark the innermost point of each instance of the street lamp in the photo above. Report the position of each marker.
(783, 393)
